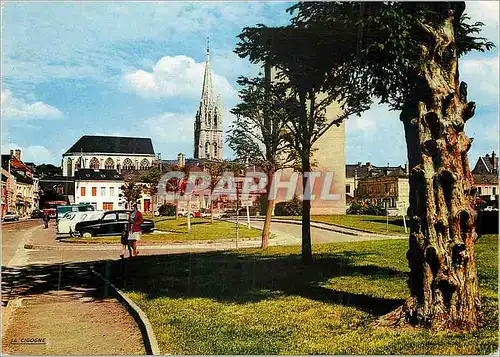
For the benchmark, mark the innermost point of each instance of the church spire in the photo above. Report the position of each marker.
(206, 93)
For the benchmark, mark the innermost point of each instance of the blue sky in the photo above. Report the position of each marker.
(135, 69)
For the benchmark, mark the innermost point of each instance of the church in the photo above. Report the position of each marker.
(208, 121)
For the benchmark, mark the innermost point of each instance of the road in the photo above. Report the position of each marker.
(15, 235)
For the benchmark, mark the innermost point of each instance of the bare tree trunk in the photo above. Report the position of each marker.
(443, 275)
(266, 230)
(306, 214)
(211, 211)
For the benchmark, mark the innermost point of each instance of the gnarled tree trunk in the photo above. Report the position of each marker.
(443, 276)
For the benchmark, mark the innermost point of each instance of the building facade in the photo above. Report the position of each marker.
(99, 188)
(485, 175)
(9, 187)
(389, 188)
(208, 121)
(108, 153)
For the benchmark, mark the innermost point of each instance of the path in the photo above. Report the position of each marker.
(55, 298)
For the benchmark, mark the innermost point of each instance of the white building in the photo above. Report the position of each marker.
(108, 153)
(100, 188)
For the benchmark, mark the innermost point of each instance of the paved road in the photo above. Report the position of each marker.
(15, 235)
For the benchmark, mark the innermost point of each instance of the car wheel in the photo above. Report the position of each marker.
(87, 234)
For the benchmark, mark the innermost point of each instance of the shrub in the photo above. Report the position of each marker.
(366, 208)
(166, 210)
(289, 208)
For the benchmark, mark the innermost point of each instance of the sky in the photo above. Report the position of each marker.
(136, 69)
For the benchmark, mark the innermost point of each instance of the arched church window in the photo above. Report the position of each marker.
(128, 164)
(69, 166)
(109, 164)
(215, 150)
(79, 163)
(94, 163)
(144, 164)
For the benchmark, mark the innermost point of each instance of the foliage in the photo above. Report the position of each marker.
(132, 191)
(288, 208)
(366, 208)
(267, 302)
(381, 43)
(166, 210)
(152, 177)
(47, 170)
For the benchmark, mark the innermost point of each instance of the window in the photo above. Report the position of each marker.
(103, 191)
(82, 191)
(207, 150)
(386, 187)
(393, 202)
(123, 216)
(69, 167)
(128, 164)
(94, 191)
(94, 163)
(347, 188)
(494, 190)
(479, 190)
(144, 164)
(109, 164)
(215, 149)
(109, 217)
(107, 206)
(111, 191)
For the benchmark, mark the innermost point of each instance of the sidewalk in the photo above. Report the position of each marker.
(63, 307)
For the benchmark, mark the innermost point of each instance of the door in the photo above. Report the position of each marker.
(108, 224)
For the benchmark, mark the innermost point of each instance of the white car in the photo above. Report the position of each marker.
(66, 224)
(10, 216)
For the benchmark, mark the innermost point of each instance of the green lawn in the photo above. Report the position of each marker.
(267, 302)
(373, 224)
(176, 231)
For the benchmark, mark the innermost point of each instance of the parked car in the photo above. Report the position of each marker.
(10, 216)
(66, 224)
(182, 212)
(110, 223)
(37, 213)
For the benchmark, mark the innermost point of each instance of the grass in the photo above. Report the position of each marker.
(176, 231)
(372, 224)
(267, 302)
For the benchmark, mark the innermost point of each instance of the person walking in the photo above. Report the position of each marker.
(46, 219)
(125, 241)
(135, 233)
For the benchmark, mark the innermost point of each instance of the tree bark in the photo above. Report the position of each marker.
(269, 211)
(306, 213)
(443, 276)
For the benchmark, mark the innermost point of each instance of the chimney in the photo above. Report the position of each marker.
(181, 160)
(17, 154)
(406, 168)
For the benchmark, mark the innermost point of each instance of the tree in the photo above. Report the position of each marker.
(151, 178)
(47, 170)
(215, 169)
(407, 55)
(301, 70)
(258, 134)
(132, 192)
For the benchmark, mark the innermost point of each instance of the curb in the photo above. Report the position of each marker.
(332, 227)
(139, 316)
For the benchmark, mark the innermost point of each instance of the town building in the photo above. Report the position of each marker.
(485, 175)
(8, 192)
(108, 153)
(208, 121)
(388, 187)
(20, 176)
(99, 188)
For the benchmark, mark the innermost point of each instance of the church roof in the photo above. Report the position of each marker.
(97, 175)
(112, 145)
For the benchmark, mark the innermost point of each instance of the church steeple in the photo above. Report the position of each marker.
(206, 92)
(208, 122)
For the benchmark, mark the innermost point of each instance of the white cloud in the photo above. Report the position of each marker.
(486, 12)
(481, 76)
(33, 153)
(171, 127)
(15, 108)
(174, 77)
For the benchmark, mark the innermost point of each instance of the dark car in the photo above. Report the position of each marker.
(37, 214)
(111, 223)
